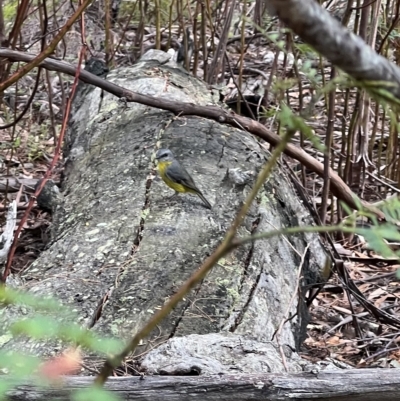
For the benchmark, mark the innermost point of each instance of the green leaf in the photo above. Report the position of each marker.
(13, 297)
(304, 48)
(89, 339)
(5, 385)
(273, 37)
(391, 210)
(296, 123)
(348, 211)
(376, 238)
(37, 327)
(107, 346)
(94, 394)
(18, 365)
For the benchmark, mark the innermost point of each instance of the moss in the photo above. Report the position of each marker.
(10, 10)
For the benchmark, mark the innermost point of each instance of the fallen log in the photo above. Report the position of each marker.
(350, 385)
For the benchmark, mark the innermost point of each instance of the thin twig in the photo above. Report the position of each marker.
(277, 334)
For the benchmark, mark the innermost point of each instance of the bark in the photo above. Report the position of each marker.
(354, 385)
(120, 247)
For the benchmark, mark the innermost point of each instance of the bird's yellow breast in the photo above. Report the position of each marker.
(162, 168)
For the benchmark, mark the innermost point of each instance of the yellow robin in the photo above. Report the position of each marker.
(175, 175)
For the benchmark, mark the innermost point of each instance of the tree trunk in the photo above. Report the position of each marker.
(121, 247)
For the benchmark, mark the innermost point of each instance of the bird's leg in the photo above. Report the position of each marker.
(174, 195)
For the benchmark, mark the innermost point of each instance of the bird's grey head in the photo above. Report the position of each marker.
(164, 155)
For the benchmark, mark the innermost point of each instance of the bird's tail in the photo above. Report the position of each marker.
(206, 202)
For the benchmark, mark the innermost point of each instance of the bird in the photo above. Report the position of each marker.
(180, 58)
(175, 175)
